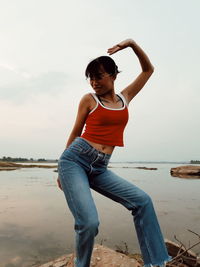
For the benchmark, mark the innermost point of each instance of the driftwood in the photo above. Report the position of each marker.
(146, 168)
(182, 256)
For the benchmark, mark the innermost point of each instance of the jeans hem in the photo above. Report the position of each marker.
(160, 264)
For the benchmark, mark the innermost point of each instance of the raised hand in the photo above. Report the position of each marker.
(124, 44)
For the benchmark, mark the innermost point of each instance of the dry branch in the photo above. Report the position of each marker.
(183, 256)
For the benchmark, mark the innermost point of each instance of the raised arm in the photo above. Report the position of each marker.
(147, 68)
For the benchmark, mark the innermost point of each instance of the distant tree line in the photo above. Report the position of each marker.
(20, 159)
(195, 161)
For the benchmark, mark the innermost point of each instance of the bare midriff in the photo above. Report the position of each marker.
(103, 148)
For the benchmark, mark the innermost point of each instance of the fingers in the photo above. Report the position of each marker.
(110, 52)
(124, 44)
(113, 49)
(59, 184)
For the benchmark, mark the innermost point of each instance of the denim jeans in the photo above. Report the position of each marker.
(82, 167)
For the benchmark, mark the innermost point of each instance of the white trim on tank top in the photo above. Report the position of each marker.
(99, 103)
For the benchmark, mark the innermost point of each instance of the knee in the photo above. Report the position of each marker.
(90, 226)
(143, 202)
(145, 199)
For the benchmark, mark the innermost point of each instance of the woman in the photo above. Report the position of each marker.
(83, 165)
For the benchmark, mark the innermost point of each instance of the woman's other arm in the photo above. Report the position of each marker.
(147, 68)
(83, 111)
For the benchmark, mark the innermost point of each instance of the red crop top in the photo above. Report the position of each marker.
(106, 125)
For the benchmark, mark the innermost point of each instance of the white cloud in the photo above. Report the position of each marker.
(20, 90)
(15, 70)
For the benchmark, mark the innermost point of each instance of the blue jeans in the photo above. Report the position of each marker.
(82, 167)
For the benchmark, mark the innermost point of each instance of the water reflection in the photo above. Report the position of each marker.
(185, 176)
(24, 249)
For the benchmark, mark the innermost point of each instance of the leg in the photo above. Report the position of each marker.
(76, 188)
(148, 231)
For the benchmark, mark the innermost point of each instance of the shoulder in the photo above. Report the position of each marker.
(87, 101)
(86, 97)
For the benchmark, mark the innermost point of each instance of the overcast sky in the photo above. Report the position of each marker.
(45, 46)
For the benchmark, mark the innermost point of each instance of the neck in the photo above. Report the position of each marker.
(110, 97)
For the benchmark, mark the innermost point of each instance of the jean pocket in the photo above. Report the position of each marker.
(78, 148)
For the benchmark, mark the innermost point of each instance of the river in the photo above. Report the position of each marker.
(36, 225)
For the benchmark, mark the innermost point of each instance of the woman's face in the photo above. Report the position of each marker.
(102, 83)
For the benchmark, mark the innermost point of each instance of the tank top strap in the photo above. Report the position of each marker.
(95, 97)
(123, 99)
(97, 102)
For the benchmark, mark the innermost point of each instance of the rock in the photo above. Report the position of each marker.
(60, 262)
(188, 171)
(101, 257)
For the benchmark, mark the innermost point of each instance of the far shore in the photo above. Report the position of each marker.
(184, 171)
(10, 166)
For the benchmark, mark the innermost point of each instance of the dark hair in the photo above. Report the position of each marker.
(94, 68)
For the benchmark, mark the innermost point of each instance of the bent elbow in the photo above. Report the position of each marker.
(151, 69)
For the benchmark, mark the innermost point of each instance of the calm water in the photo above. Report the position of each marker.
(36, 225)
